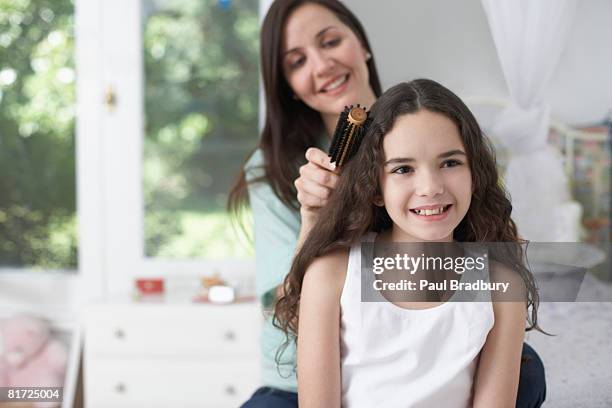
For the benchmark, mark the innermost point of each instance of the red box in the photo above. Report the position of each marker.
(150, 286)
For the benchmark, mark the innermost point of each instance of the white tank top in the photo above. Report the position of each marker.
(396, 357)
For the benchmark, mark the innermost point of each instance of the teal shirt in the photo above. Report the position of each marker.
(276, 230)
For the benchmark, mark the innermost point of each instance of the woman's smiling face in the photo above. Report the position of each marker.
(323, 60)
(426, 182)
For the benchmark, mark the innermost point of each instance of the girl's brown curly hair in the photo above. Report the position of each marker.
(350, 212)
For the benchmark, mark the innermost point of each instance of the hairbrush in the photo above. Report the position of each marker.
(348, 134)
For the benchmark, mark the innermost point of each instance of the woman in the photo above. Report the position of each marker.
(315, 59)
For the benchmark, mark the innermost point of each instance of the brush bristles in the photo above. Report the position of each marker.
(348, 134)
(339, 133)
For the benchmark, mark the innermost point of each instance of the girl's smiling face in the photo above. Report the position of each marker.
(323, 60)
(426, 182)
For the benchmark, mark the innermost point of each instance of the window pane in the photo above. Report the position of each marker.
(201, 111)
(37, 155)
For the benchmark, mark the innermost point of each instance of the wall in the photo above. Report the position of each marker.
(450, 41)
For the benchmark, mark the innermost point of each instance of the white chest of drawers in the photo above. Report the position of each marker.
(171, 355)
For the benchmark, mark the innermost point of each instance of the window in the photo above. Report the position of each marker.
(184, 84)
(37, 136)
(200, 119)
(139, 115)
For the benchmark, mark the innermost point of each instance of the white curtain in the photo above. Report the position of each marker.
(530, 36)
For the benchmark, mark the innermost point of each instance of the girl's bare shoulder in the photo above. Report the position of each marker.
(328, 272)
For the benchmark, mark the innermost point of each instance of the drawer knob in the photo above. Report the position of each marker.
(120, 388)
(230, 335)
(119, 333)
(230, 390)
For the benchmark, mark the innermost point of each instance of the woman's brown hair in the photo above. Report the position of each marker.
(350, 211)
(290, 127)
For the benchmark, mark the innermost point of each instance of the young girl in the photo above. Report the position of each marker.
(423, 151)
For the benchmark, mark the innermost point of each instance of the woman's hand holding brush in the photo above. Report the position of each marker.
(317, 180)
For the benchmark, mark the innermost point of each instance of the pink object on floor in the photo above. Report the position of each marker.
(30, 356)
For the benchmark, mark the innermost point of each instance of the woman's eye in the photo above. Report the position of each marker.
(331, 43)
(403, 170)
(296, 63)
(451, 163)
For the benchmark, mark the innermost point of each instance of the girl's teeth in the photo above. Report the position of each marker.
(434, 211)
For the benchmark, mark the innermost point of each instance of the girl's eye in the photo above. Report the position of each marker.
(403, 170)
(451, 163)
(331, 43)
